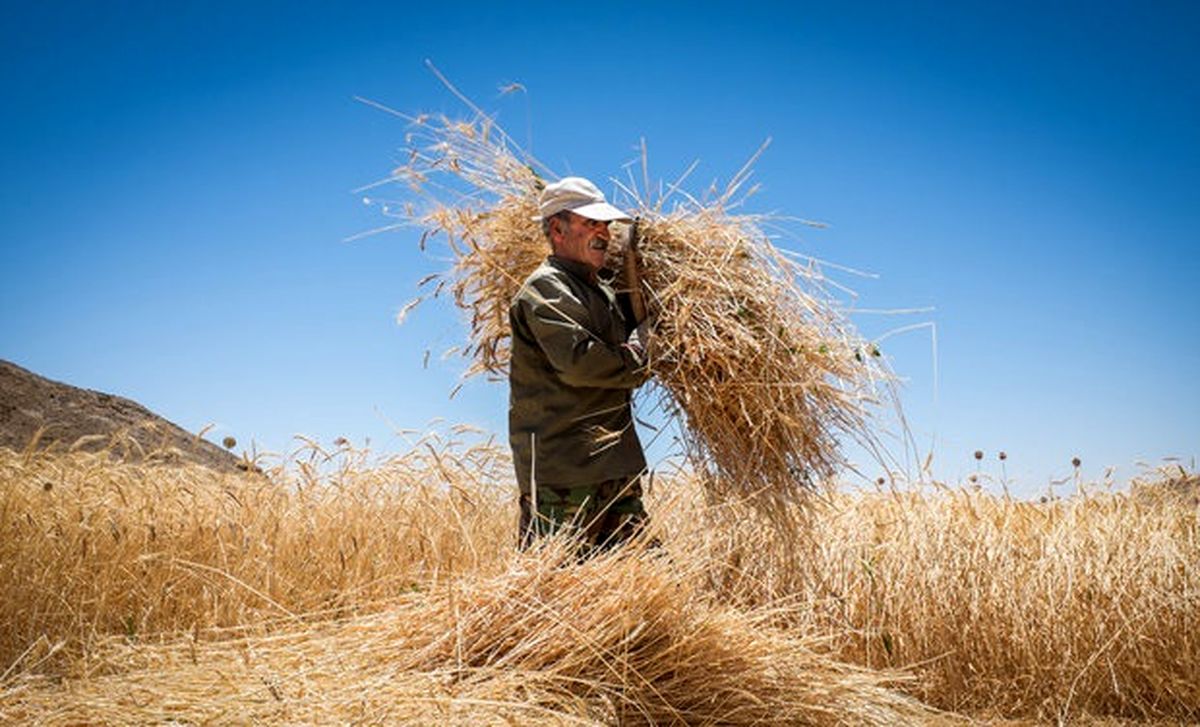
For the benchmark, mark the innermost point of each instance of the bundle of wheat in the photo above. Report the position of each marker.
(623, 639)
(759, 365)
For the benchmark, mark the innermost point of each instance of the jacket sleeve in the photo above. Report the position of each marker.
(562, 327)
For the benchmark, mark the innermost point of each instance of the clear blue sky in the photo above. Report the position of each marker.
(177, 187)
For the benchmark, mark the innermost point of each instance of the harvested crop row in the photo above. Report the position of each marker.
(625, 639)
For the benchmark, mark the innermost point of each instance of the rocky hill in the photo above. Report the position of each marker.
(70, 416)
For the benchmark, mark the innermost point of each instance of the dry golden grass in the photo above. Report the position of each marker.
(91, 547)
(754, 359)
(1086, 605)
(542, 643)
(391, 591)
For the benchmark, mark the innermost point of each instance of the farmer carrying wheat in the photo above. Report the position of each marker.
(575, 362)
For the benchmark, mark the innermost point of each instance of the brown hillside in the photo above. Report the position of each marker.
(66, 414)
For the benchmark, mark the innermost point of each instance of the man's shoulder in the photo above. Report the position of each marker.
(544, 270)
(532, 289)
(545, 276)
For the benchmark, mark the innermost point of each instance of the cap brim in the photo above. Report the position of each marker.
(601, 212)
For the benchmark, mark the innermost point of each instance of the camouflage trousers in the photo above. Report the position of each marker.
(602, 515)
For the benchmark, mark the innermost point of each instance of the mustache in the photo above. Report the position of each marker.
(598, 243)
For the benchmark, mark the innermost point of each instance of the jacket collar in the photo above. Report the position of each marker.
(583, 271)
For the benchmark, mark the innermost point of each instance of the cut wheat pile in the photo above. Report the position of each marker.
(756, 360)
(619, 640)
(383, 594)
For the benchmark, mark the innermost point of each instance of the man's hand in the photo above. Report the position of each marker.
(641, 341)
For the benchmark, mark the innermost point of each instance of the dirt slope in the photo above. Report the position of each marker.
(66, 413)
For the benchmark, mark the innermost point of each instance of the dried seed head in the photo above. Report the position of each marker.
(979, 454)
(229, 442)
(973, 478)
(880, 481)
(1003, 455)
(1075, 462)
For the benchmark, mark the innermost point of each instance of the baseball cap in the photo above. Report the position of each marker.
(580, 196)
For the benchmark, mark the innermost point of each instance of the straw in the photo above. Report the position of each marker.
(619, 640)
(751, 356)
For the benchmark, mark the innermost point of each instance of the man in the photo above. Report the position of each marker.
(574, 366)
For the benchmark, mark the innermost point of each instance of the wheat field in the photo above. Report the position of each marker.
(341, 588)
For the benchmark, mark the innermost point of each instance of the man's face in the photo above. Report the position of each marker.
(582, 240)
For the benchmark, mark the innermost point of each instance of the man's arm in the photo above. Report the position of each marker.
(561, 325)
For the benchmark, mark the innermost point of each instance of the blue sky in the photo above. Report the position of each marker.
(177, 191)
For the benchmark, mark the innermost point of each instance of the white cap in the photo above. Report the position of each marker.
(579, 196)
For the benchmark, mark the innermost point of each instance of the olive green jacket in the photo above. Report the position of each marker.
(571, 378)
